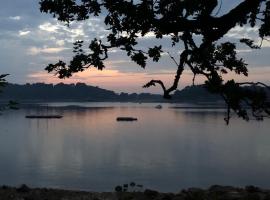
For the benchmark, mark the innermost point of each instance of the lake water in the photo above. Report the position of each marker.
(166, 149)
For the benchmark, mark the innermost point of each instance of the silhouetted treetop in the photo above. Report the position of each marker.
(196, 25)
(41, 92)
(11, 104)
(2, 81)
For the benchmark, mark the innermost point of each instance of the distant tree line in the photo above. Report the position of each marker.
(82, 92)
(67, 92)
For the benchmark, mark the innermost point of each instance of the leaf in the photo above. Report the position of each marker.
(139, 58)
(249, 43)
(155, 53)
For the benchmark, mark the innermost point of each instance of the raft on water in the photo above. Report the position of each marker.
(127, 119)
(43, 116)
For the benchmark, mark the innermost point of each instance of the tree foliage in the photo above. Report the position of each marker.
(11, 104)
(2, 81)
(182, 21)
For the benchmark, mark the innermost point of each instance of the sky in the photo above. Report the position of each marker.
(30, 40)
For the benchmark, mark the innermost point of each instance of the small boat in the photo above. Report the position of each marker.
(158, 107)
(127, 119)
(43, 116)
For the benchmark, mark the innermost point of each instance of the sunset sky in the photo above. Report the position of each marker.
(30, 40)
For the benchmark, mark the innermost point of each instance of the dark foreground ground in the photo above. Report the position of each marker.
(213, 193)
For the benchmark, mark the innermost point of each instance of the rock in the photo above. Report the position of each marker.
(118, 188)
(234, 195)
(266, 197)
(4, 187)
(167, 197)
(252, 189)
(150, 193)
(253, 196)
(195, 194)
(178, 197)
(23, 189)
(221, 189)
(195, 190)
(213, 193)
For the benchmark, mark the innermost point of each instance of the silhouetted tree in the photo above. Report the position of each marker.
(191, 22)
(3, 83)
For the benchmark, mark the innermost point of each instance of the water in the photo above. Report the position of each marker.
(166, 149)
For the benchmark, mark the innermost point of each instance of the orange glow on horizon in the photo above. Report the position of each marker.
(108, 79)
(133, 81)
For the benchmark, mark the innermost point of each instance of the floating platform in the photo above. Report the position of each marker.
(43, 116)
(127, 119)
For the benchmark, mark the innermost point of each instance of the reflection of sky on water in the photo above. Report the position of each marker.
(166, 149)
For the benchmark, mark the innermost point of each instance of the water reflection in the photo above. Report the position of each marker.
(166, 149)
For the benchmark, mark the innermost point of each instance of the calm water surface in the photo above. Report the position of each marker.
(166, 149)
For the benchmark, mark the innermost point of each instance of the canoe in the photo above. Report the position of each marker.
(43, 116)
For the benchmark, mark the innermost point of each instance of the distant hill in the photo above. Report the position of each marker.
(42, 92)
(69, 92)
(196, 93)
(48, 92)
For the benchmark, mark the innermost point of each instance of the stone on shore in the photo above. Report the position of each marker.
(215, 192)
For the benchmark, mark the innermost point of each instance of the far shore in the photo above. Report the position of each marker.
(214, 192)
(85, 105)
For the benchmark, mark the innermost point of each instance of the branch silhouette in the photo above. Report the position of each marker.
(183, 22)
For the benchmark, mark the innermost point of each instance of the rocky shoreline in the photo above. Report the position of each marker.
(215, 192)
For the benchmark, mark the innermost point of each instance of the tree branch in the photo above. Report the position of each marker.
(213, 28)
(255, 83)
(153, 83)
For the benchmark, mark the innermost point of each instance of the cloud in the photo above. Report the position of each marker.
(243, 32)
(16, 18)
(76, 31)
(23, 33)
(30, 40)
(36, 50)
(242, 51)
(60, 42)
(265, 43)
(47, 26)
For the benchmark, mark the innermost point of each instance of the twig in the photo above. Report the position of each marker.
(173, 58)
